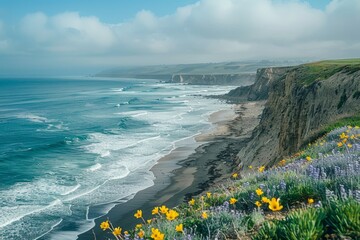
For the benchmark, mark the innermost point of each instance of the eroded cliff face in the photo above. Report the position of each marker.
(294, 112)
(214, 79)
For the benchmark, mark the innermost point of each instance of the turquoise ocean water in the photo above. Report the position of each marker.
(70, 148)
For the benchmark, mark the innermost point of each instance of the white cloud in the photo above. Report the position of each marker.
(209, 30)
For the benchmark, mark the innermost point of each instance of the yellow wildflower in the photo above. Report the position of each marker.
(274, 204)
(250, 167)
(156, 234)
(282, 162)
(261, 169)
(340, 144)
(257, 203)
(172, 215)
(349, 145)
(204, 215)
(179, 228)
(138, 225)
(265, 200)
(352, 136)
(310, 201)
(344, 140)
(192, 202)
(117, 231)
(155, 211)
(164, 209)
(308, 158)
(349, 127)
(105, 225)
(138, 214)
(141, 234)
(126, 233)
(208, 194)
(235, 176)
(343, 135)
(148, 221)
(232, 201)
(259, 192)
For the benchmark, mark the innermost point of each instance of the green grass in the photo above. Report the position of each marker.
(317, 71)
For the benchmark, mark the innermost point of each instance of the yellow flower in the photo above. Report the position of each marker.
(308, 158)
(138, 214)
(163, 209)
(261, 169)
(349, 127)
(344, 140)
(274, 204)
(138, 225)
(155, 211)
(148, 221)
(105, 225)
(179, 228)
(352, 136)
(208, 194)
(141, 234)
(343, 135)
(156, 234)
(321, 144)
(117, 231)
(192, 202)
(310, 201)
(349, 145)
(232, 201)
(265, 200)
(257, 203)
(172, 215)
(250, 167)
(340, 144)
(235, 176)
(204, 215)
(282, 162)
(259, 192)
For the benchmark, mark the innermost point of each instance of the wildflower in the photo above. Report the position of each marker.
(274, 204)
(343, 136)
(202, 198)
(321, 144)
(235, 176)
(138, 214)
(308, 158)
(105, 225)
(179, 228)
(250, 167)
(232, 201)
(344, 140)
(265, 200)
(259, 192)
(192, 202)
(282, 162)
(126, 233)
(156, 234)
(349, 127)
(208, 194)
(172, 215)
(163, 209)
(141, 234)
(148, 221)
(258, 204)
(138, 225)
(117, 231)
(352, 136)
(261, 169)
(349, 145)
(155, 211)
(340, 144)
(310, 201)
(204, 215)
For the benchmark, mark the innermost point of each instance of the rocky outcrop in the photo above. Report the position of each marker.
(295, 111)
(214, 79)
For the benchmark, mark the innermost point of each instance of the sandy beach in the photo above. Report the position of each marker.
(191, 169)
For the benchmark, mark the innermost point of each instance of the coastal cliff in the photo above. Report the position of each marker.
(301, 101)
(214, 79)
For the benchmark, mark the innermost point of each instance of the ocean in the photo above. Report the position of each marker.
(72, 148)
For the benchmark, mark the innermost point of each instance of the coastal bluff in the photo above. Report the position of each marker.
(301, 102)
(214, 79)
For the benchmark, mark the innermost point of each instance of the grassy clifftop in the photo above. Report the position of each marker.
(314, 194)
(318, 71)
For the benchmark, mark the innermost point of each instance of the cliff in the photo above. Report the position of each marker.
(301, 101)
(214, 79)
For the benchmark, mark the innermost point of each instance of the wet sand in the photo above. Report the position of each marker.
(186, 172)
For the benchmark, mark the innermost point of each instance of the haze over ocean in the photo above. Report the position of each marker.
(68, 147)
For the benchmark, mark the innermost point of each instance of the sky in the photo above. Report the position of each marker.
(86, 36)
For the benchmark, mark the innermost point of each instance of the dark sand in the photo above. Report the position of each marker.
(179, 176)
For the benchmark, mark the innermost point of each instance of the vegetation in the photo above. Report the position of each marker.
(318, 71)
(314, 194)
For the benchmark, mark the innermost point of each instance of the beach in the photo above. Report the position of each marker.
(205, 160)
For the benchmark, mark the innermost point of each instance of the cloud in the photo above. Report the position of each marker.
(209, 30)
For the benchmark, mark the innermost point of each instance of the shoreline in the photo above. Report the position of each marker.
(185, 171)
